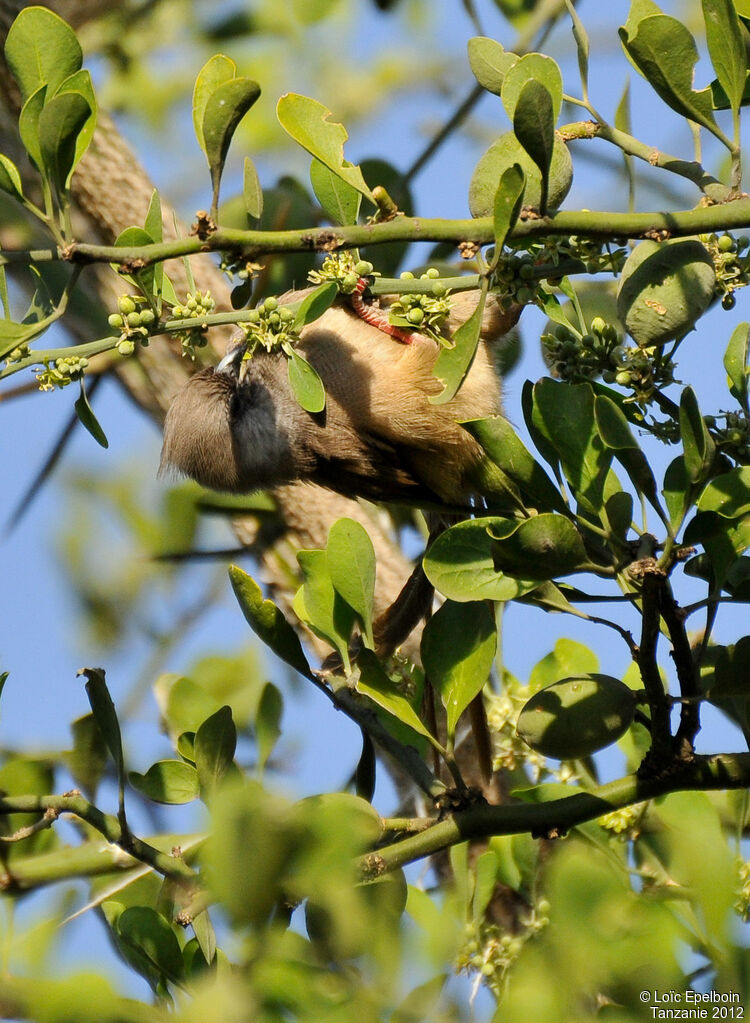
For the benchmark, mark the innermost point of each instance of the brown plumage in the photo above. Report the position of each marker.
(378, 436)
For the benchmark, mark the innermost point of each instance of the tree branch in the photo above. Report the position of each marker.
(555, 818)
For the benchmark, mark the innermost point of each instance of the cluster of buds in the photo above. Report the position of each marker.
(17, 354)
(489, 953)
(626, 821)
(519, 272)
(268, 326)
(742, 901)
(572, 356)
(509, 751)
(195, 307)
(133, 321)
(516, 278)
(345, 268)
(596, 256)
(425, 312)
(245, 269)
(733, 437)
(731, 263)
(61, 373)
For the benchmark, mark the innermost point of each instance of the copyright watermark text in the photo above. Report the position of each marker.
(673, 1004)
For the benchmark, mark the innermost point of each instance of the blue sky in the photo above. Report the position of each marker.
(42, 645)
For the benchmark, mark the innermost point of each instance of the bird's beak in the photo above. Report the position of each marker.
(232, 361)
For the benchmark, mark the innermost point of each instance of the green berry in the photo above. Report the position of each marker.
(126, 304)
(432, 273)
(349, 282)
(415, 316)
(115, 320)
(286, 315)
(623, 378)
(598, 326)
(147, 317)
(271, 304)
(726, 243)
(134, 319)
(253, 316)
(363, 268)
(126, 347)
(407, 275)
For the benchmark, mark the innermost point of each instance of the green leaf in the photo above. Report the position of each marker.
(87, 418)
(568, 657)
(696, 441)
(252, 192)
(458, 650)
(145, 932)
(664, 52)
(61, 122)
(225, 108)
(146, 279)
(489, 62)
(314, 305)
(267, 621)
(534, 127)
(153, 225)
(564, 414)
(28, 124)
(215, 745)
(105, 716)
(80, 83)
(87, 760)
(537, 67)
(735, 362)
(304, 380)
(612, 425)
(459, 563)
(41, 49)
(501, 155)
(726, 47)
(615, 431)
(543, 547)
(729, 494)
(321, 607)
(340, 200)
(484, 886)
(205, 936)
(215, 72)
(306, 121)
(154, 228)
(268, 722)
(351, 563)
(167, 781)
(678, 491)
(582, 44)
(382, 690)
(10, 179)
(506, 449)
(452, 364)
(507, 206)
